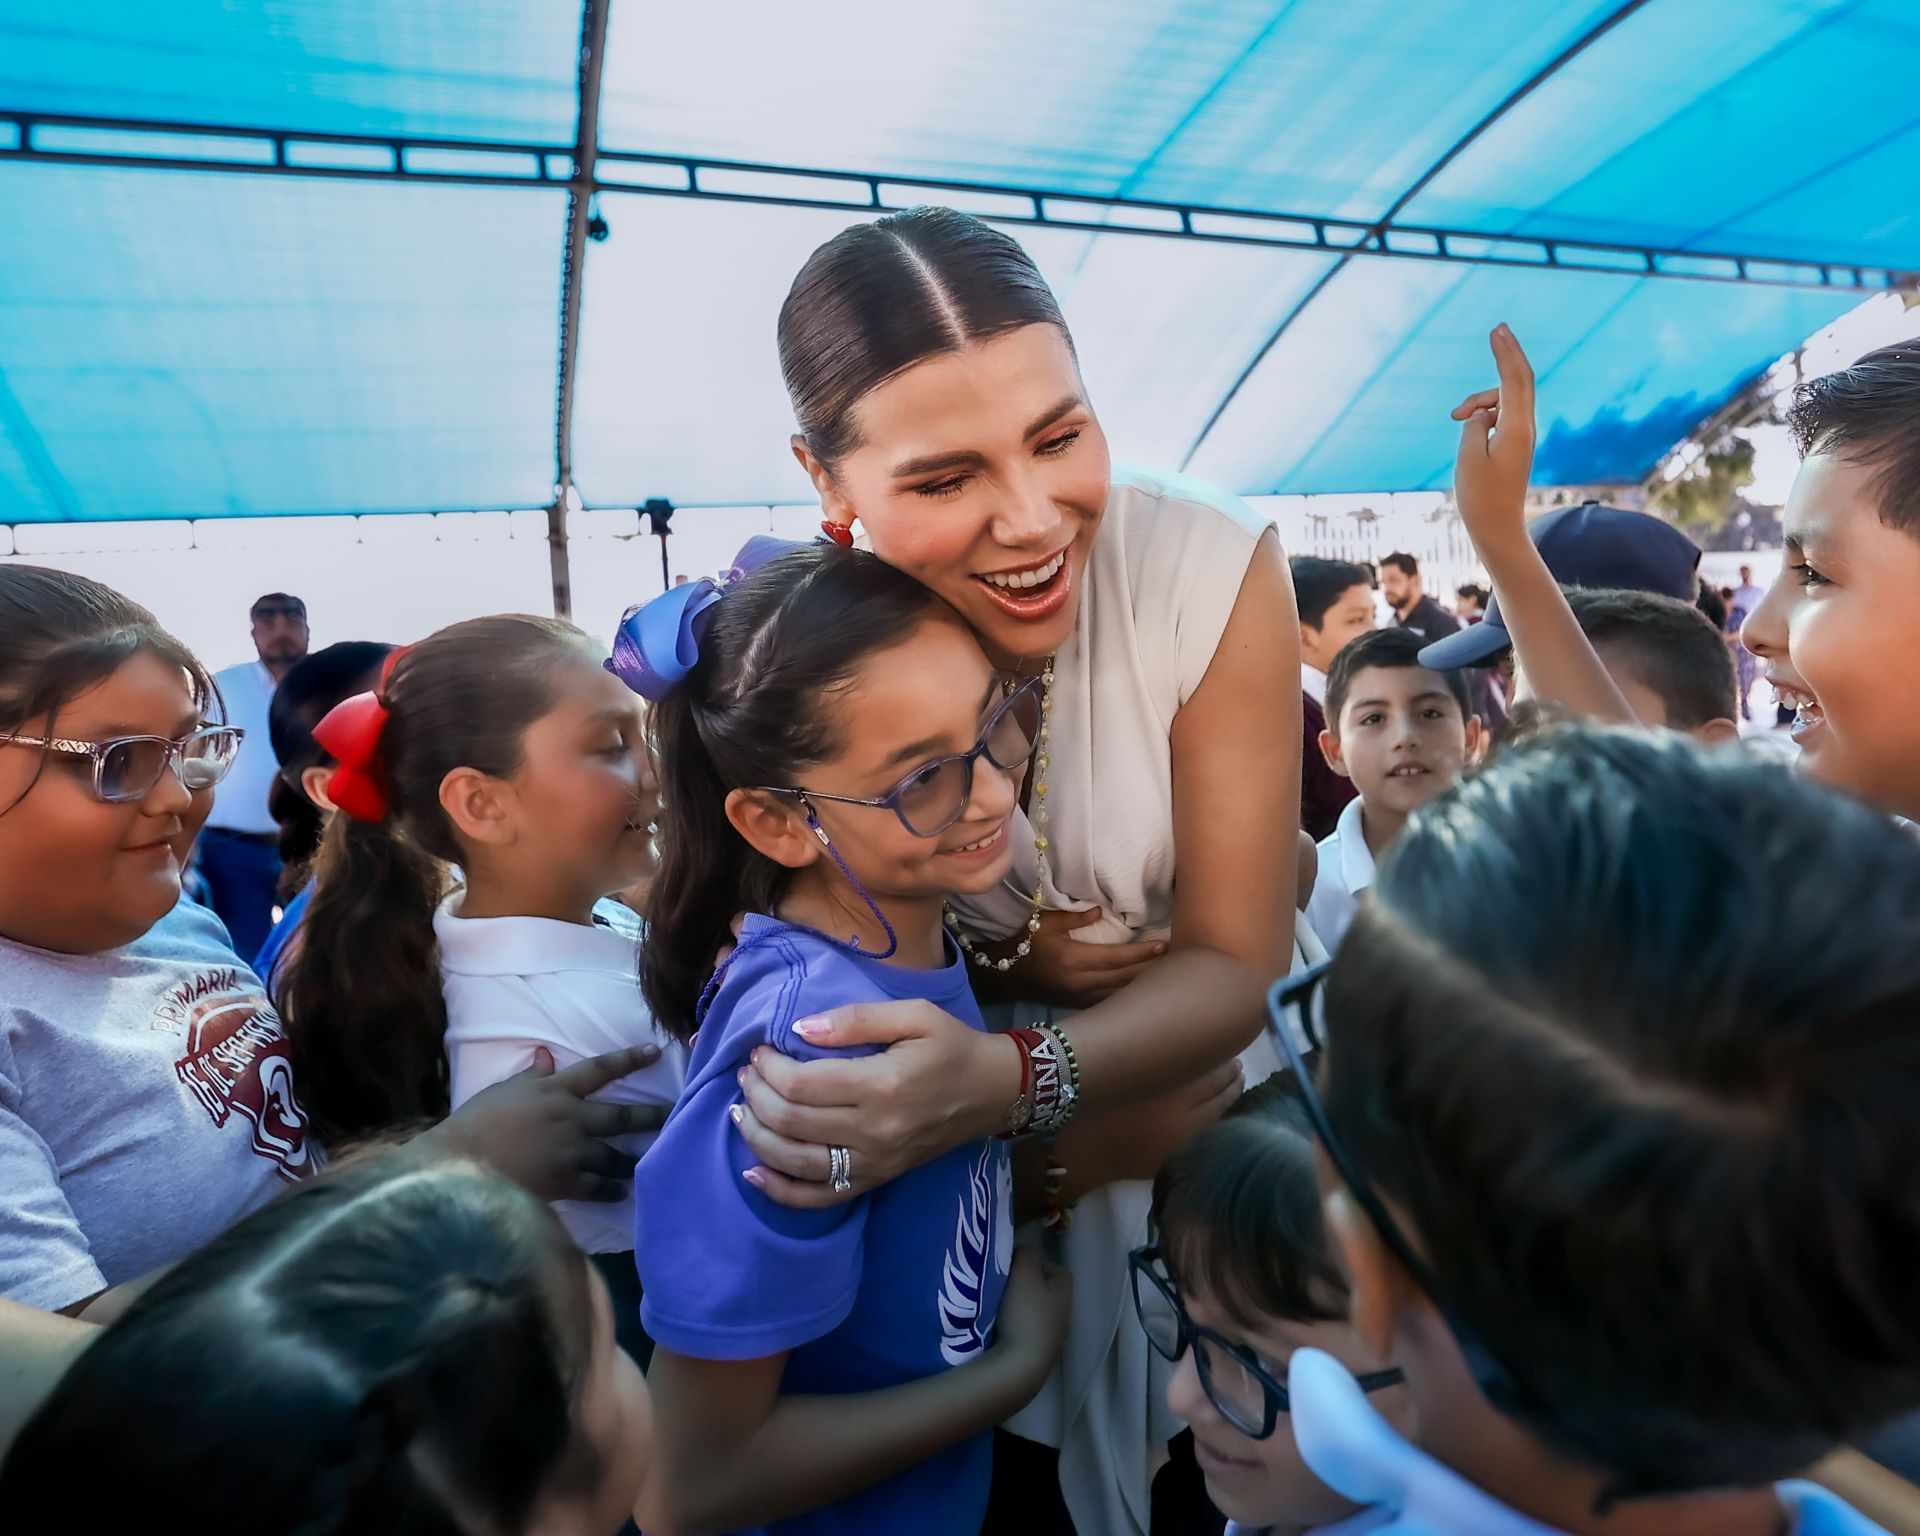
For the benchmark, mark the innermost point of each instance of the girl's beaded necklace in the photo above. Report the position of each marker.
(1038, 816)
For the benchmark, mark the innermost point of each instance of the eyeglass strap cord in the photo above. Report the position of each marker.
(893, 939)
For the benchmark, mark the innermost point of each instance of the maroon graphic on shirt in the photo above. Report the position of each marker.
(237, 1059)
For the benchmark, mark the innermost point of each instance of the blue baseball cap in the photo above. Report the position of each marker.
(1585, 546)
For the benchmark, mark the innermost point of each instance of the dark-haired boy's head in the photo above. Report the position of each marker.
(1236, 1215)
(1666, 657)
(1400, 731)
(1391, 650)
(1642, 1092)
(1335, 600)
(1236, 1212)
(1841, 626)
(1867, 415)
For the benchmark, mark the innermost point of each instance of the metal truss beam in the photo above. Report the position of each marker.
(50, 139)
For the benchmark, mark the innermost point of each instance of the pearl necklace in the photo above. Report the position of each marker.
(1039, 819)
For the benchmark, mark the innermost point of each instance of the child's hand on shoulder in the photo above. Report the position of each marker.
(1032, 1327)
(1495, 464)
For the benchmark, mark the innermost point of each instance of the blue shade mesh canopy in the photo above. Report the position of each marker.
(180, 344)
(481, 69)
(686, 398)
(336, 325)
(1358, 392)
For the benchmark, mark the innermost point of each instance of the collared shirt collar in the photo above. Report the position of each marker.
(1313, 683)
(535, 946)
(1356, 858)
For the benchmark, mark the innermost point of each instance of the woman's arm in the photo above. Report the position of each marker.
(733, 1452)
(1236, 793)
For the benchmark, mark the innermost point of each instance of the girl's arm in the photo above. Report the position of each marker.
(1236, 801)
(1490, 487)
(732, 1452)
(35, 1350)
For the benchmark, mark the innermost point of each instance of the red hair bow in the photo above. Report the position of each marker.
(351, 732)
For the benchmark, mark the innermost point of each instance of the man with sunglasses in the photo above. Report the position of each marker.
(238, 852)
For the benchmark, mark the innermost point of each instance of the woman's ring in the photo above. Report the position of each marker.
(840, 1170)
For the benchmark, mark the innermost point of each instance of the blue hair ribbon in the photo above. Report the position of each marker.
(658, 642)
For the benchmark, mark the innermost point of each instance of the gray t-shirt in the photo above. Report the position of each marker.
(146, 1104)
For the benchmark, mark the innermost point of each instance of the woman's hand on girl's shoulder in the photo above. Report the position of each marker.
(937, 1085)
(541, 1129)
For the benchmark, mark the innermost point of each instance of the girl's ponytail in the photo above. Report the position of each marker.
(364, 1012)
(708, 873)
(361, 994)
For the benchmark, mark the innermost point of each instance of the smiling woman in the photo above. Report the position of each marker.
(941, 408)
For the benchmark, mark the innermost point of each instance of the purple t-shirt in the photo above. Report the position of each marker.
(891, 1287)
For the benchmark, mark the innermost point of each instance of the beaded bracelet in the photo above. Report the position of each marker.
(1056, 1081)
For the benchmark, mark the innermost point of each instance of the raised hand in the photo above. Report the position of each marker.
(1495, 463)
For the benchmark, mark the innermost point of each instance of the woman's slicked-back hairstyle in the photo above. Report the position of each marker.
(397, 1346)
(1630, 1031)
(758, 707)
(879, 297)
(62, 634)
(312, 686)
(361, 994)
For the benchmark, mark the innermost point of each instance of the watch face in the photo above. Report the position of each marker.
(1020, 1113)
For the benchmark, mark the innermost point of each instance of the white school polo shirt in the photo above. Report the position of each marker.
(514, 983)
(1346, 869)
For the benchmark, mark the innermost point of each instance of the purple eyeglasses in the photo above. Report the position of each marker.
(936, 794)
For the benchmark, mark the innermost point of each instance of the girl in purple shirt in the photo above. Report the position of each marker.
(838, 758)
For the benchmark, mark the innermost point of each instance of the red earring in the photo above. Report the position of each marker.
(840, 533)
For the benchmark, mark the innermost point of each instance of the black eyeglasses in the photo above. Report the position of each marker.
(936, 794)
(125, 768)
(1502, 1388)
(1240, 1388)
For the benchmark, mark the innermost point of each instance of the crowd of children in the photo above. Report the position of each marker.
(1582, 1203)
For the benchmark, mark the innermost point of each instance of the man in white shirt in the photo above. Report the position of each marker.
(239, 855)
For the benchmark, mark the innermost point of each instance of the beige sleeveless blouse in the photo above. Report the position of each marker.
(1160, 585)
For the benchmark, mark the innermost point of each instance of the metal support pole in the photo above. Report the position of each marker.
(593, 45)
(557, 557)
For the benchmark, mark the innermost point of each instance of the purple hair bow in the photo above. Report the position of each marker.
(658, 642)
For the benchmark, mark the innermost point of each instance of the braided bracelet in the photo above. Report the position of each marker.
(1020, 1112)
(1056, 1081)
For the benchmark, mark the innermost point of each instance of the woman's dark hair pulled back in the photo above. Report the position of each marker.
(879, 297)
